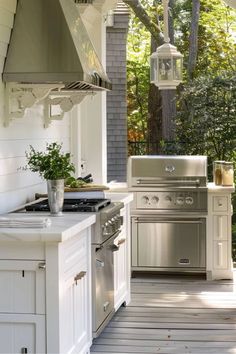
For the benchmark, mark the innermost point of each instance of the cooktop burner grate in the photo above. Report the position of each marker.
(72, 205)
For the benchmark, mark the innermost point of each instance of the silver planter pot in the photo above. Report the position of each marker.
(55, 196)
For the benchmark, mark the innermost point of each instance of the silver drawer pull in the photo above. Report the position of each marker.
(115, 248)
(99, 264)
(79, 276)
(121, 241)
(42, 265)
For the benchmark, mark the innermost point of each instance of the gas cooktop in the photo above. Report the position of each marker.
(72, 205)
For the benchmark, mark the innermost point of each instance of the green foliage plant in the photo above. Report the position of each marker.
(51, 164)
(206, 119)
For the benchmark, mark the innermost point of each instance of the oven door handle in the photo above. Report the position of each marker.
(166, 221)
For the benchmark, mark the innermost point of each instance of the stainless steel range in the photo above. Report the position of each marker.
(169, 212)
(104, 232)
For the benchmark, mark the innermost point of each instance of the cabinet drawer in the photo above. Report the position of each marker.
(22, 333)
(220, 254)
(22, 287)
(220, 227)
(220, 203)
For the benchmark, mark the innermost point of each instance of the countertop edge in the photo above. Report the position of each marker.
(53, 233)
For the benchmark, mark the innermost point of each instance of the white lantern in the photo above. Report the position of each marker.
(166, 64)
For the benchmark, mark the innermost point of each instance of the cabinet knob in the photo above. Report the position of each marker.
(79, 276)
(24, 350)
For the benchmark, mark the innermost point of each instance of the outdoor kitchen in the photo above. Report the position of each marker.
(102, 251)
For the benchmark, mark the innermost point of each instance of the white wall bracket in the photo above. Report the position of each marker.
(58, 103)
(18, 97)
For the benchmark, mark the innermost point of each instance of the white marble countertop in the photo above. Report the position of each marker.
(212, 188)
(61, 228)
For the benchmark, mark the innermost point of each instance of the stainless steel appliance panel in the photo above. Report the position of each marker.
(169, 242)
(103, 284)
(167, 201)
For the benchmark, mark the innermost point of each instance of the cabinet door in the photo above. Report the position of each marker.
(220, 254)
(75, 310)
(120, 271)
(220, 227)
(22, 287)
(22, 334)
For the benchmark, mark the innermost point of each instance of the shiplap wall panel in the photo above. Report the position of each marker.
(16, 185)
(6, 17)
(5, 33)
(9, 5)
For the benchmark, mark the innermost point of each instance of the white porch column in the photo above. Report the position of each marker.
(93, 112)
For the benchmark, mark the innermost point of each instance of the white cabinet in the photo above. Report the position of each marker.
(45, 305)
(75, 295)
(22, 306)
(122, 262)
(219, 238)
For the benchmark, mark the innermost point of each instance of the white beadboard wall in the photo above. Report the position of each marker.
(16, 185)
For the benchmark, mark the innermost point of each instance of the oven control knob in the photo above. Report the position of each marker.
(107, 229)
(155, 200)
(145, 199)
(180, 200)
(189, 200)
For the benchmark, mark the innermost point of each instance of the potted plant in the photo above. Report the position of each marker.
(54, 166)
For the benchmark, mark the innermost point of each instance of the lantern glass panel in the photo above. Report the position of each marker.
(165, 70)
(177, 68)
(153, 69)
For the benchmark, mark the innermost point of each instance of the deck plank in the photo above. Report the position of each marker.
(173, 314)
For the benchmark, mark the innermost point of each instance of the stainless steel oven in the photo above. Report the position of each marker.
(168, 213)
(106, 229)
(168, 243)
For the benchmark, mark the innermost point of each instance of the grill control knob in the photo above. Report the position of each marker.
(168, 199)
(180, 200)
(189, 200)
(145, 199)
(155, 200)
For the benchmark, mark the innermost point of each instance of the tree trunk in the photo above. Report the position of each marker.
(168, 114)
(193, 38)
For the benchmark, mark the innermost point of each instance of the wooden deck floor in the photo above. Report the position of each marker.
(173, 315)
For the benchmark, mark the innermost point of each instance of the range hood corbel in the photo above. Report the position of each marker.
(58, 103)
(19, 97)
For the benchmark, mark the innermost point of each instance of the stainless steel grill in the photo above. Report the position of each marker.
(169, 212)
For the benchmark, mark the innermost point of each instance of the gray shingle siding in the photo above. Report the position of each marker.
(116, 99)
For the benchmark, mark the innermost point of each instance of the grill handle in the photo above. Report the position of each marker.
(166, 221)
(158, 182)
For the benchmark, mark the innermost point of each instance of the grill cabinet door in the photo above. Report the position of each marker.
(171, 243)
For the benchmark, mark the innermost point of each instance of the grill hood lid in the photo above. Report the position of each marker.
(50, 45)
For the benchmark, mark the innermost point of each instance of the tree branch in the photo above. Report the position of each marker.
(152, 27)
